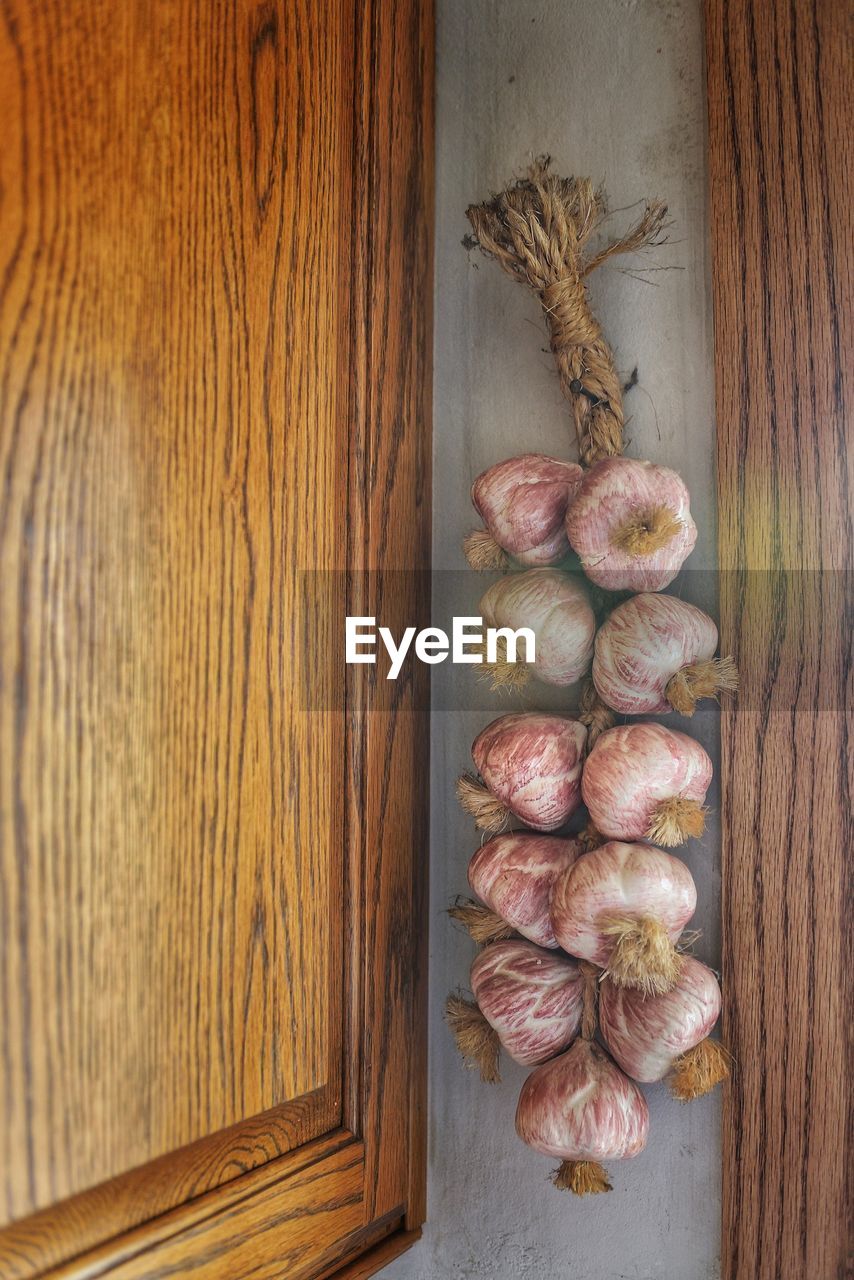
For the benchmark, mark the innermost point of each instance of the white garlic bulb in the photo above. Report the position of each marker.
(655, 653)
(630, 525)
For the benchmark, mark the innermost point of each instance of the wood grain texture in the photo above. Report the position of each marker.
(168, 825)
(780, 132)
(216, 306)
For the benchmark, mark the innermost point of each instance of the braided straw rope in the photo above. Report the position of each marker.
(537, 230)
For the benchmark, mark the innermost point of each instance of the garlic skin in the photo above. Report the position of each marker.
(644, 643)
(647, 1034)
(514, 873)
(630, 525)
(530, 997)
(556, 606)
(581, 1106)
(619, 881)
(636, 775)
(531, 762)
(523, 503)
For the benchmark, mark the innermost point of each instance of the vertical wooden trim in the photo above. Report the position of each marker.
(389, 559)
(781, 235)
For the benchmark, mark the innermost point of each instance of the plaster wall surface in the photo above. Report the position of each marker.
(612, 89)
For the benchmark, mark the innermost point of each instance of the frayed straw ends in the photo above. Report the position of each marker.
(698, 1071)
(701, 680)
(643, 956)
(582, 1178)
(482, 925)
(676, 819)
(483, 552)
(476, 1040)
(478, 801)
(647, 533)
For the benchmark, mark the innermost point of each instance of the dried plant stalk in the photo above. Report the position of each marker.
(594, 713)
(537, 230)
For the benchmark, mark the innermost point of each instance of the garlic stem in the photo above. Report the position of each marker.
(701, 680)
(476, 1040)
(697, 1071)
(643, 955)
(489, 813)
(675, 819)
(482, 925)
(648, 532)
(483, 552)
(581, 1177)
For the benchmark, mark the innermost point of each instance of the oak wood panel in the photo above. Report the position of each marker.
(780, 131)
(169, 311)
(377, 389)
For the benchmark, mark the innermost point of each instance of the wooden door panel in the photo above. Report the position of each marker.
(169, 321)
(214, 363)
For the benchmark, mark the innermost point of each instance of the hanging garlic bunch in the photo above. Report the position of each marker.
(644, 781)
(523, 503)
(525, 999)
(556, 607)
(630, 525)
(619, 909)
(655, 653)
(623, 907)
(530, 764)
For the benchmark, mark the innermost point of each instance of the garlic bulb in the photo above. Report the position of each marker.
(581, 1107)
(647, 781)
(630, 525)
(530, 997)
(523, 502)
(648, 1034)
(622, 907)
(513, 875)
(655, 653)
(530, 764)
(556, 607)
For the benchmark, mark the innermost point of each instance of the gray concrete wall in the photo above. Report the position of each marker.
(612, 89)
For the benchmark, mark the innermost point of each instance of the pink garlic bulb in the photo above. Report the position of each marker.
(530, 764)
(513, 874)
(646, 781)
(531, 998)
(655, 653)
(556, 607)
(630, 525)
(523, 502)
(622, 907)
(581, 1106)
(647, 1034)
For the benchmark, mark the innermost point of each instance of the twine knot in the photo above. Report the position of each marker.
(537, 230)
